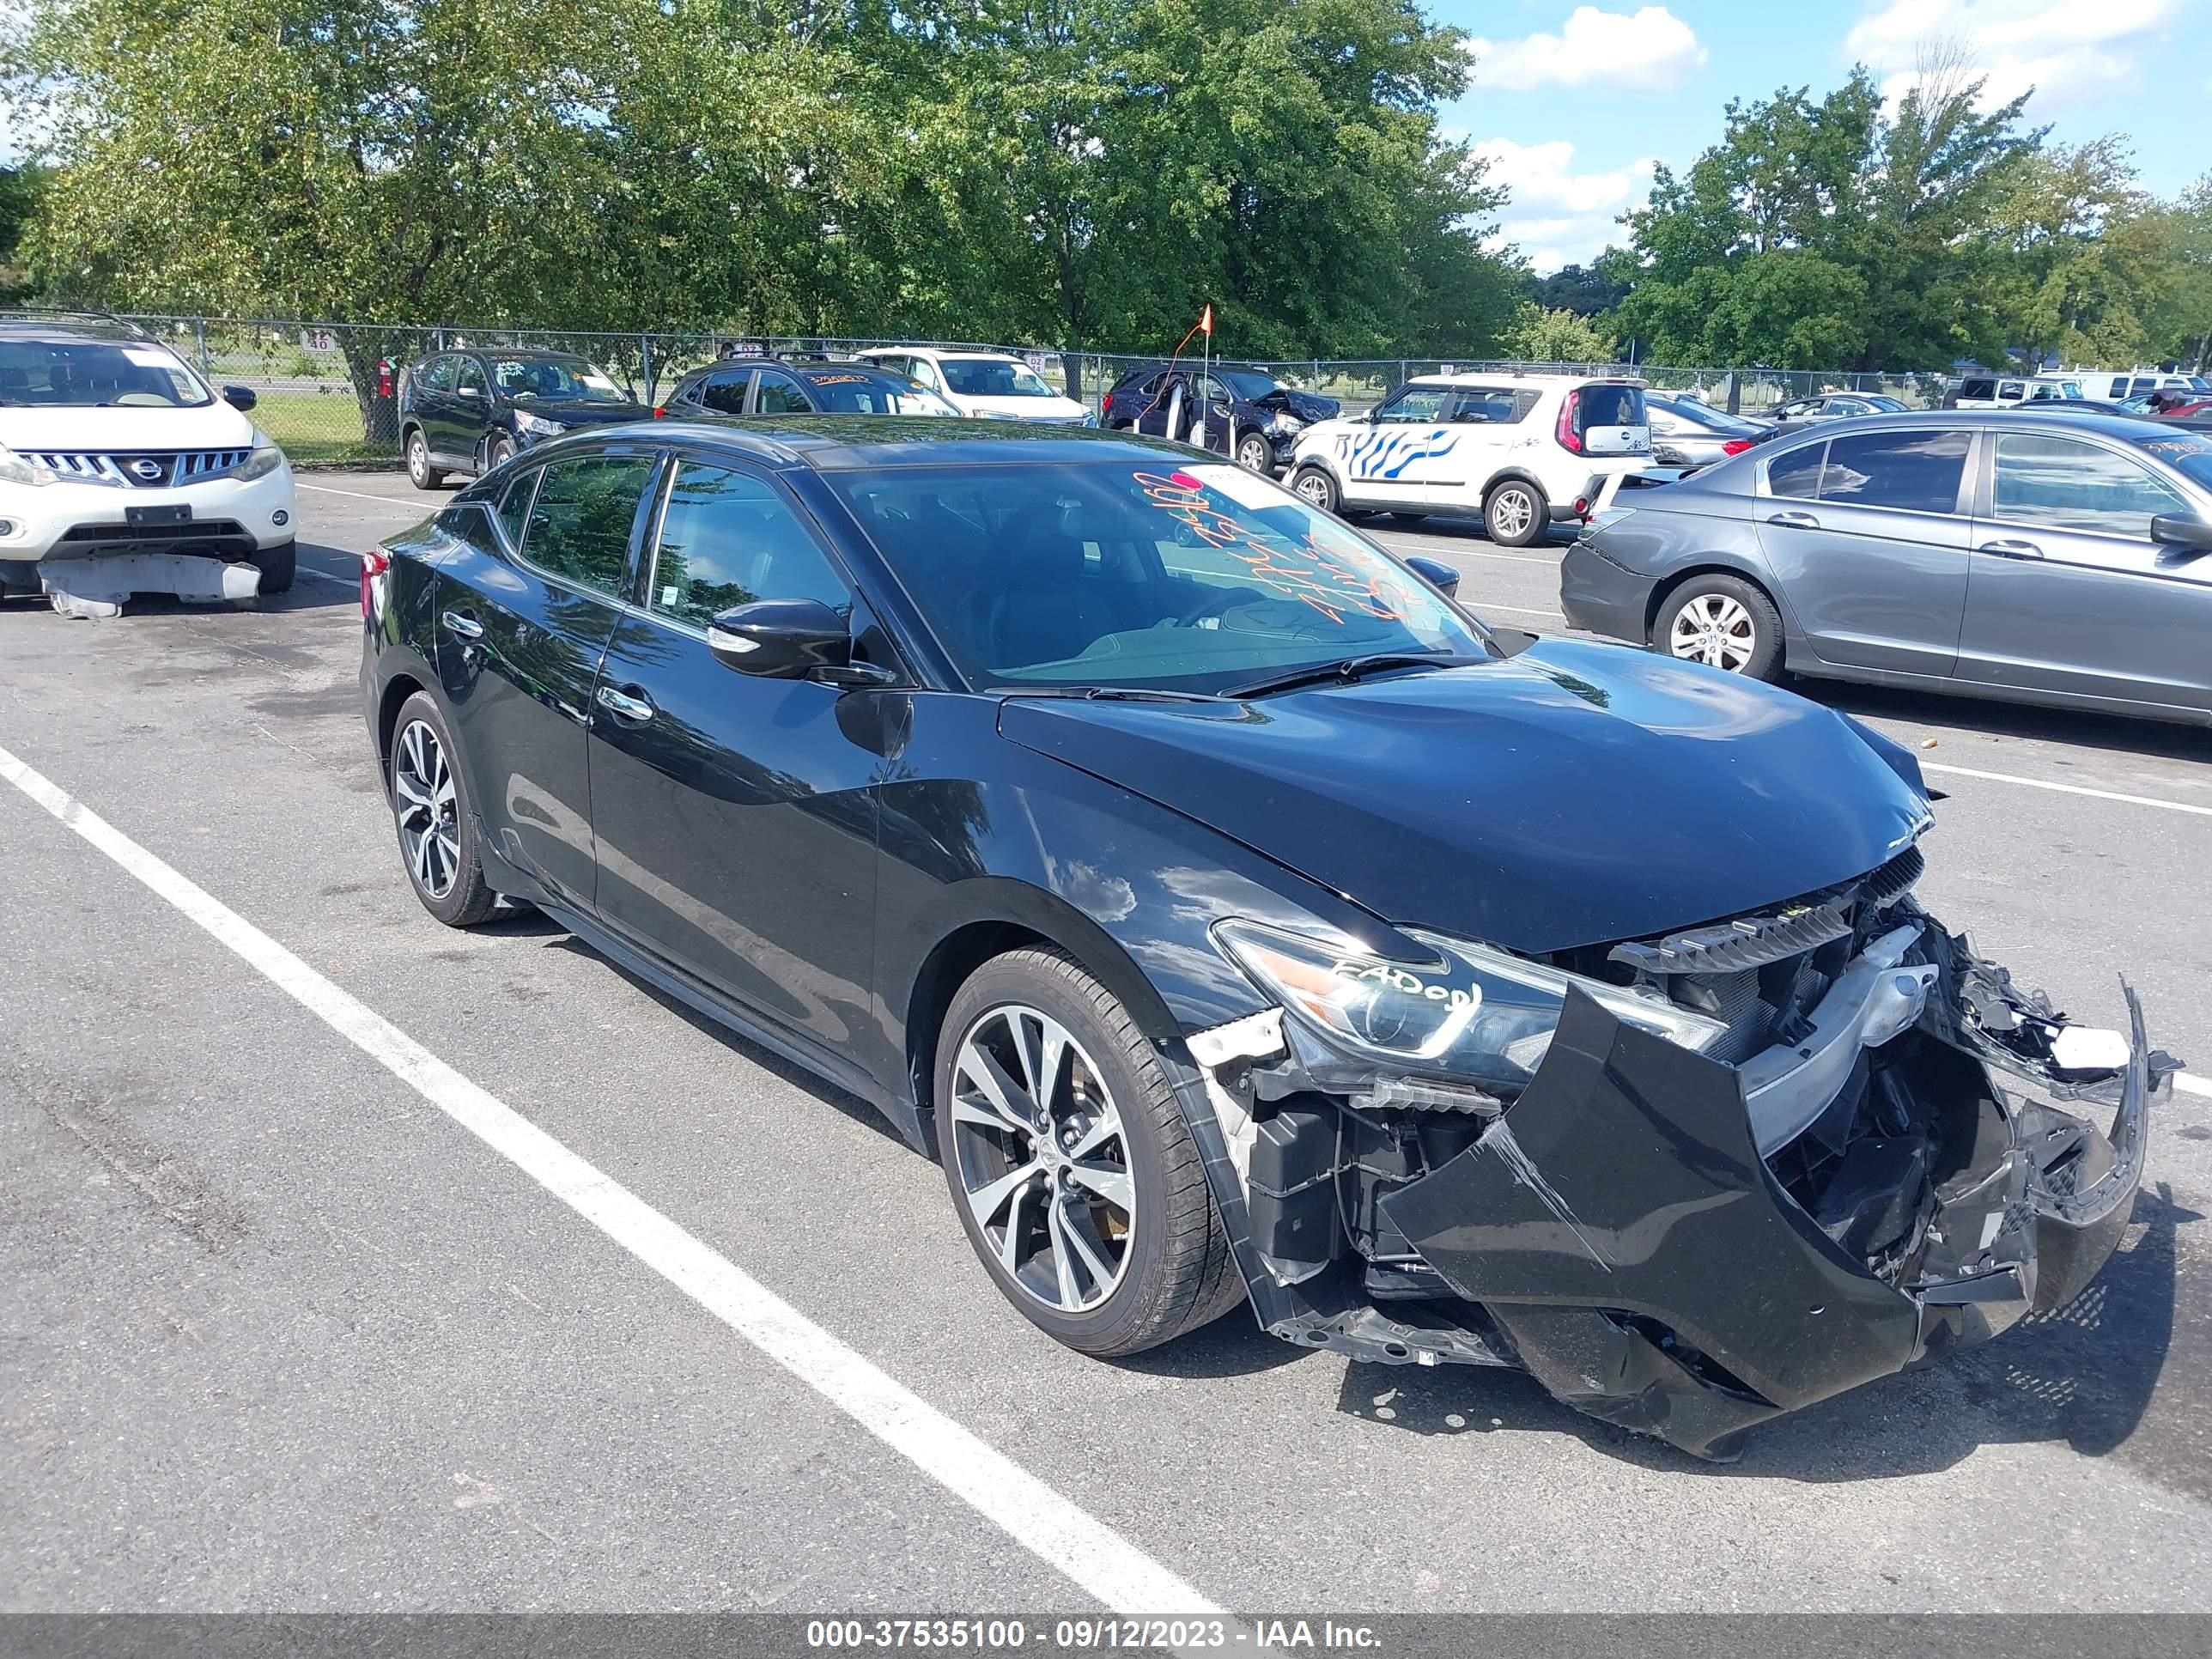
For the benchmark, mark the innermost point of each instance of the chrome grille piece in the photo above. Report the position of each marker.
(140, 470)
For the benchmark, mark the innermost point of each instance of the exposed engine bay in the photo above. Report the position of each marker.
(1752, 1164)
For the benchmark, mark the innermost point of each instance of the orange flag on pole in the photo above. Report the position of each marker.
(1205, 321)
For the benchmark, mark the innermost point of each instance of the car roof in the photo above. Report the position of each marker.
(67, 330)
(2127, 428)
(991, 352)
(1497, 376)
(829, 443)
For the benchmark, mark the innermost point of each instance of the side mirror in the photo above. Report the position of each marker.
(241, 397)
(470, 391)
(790, 639)
(1436, 573)
(2185, 530)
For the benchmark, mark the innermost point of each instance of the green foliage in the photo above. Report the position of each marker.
(20, 190)
(1586, 290)
(1538, 336)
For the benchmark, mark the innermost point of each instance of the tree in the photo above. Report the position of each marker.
(1538, 336)
(1586, 290)
(2177, 312)
(20, 189)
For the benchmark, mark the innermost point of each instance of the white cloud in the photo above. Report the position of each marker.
(2060, 48)
(1557, 215)
(1650, 48)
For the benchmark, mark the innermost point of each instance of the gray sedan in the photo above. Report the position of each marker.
(2045, 559)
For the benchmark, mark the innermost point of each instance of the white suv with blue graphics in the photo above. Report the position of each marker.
(1519, 451)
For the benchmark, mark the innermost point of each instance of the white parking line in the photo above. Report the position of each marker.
(1446, 546)
(1085, 1549)
(1480, 606)
(2193, 1086)
(359, 496)
(326, 576)
(2069, 789)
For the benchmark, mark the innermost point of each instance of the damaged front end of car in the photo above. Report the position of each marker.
(1689, 1183)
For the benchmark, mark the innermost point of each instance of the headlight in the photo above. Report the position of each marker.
(265, 458)
(15, 469)
(1472, 1012)
(1283, 425)
(537, 426)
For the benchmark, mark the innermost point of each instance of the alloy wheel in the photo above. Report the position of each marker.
(1252, 454)
(428, 808)
(1042, 1158)
(1715, 629)
(1312, 489)
(1511, 512)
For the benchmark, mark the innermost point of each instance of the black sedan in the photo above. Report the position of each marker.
(787, 386)
(1236, 918)
(1249, 415)
(467, 411)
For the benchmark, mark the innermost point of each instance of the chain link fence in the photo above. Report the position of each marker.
(328, 391)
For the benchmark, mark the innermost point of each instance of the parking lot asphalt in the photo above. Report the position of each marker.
(282, 1334)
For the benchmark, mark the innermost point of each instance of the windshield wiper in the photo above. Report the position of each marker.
(1341, 672)
(1111, 693)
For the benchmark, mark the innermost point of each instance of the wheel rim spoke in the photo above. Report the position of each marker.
(986, 1201)
(1073, 1229)
(1063, 1257)
(1113, 1185)
(1015, 1109)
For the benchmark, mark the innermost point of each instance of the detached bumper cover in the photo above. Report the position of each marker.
(1623, 1233)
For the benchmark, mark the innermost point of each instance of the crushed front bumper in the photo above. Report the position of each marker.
(1629, 1231)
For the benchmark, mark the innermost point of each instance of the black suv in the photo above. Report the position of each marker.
(1264, 416)
(787, 386)
(467, 411)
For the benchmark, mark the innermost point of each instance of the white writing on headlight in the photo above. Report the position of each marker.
(1412, 984)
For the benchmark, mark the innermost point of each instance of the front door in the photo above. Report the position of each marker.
(2068, 592)
(1386, 460)
(775, 392)
(461, 436)
(519, 635)
(1866, 534)
(735, 817)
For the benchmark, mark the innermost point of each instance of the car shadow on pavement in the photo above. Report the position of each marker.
(2124, 1371)
(559, 938)
(2159, 740)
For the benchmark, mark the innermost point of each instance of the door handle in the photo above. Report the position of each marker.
(462, 625)
(1794, 520)
(624, 706)
(2010, 550)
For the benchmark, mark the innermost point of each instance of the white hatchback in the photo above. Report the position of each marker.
(993, 385)
(122, 472)
(1519, 452)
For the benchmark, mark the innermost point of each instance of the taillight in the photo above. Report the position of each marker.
(1581, 506)
(373, 564)
(661, 413)
(1736, 446)
(1570, 440)
(1106, 406)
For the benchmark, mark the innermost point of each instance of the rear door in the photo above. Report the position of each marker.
(723, 391)
(2067, 590)
(1866, 533)
(520, 632)
(734, 816)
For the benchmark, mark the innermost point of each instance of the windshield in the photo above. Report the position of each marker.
(97, 374)
(1147, 575)
(1704, 414)
(993, 377)
(2186, 453)
(1250, 386)
(856, 393)
(555, 380)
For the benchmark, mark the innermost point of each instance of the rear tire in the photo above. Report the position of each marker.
(277, 566)
(1724, 622)
(431, 810)
(1114, 1181)
(1515, 513)
(1313, 485)
(420, 472)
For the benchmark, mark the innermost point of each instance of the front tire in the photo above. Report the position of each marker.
(278, 566)
(437, 834)
(1313, 485)
(1255, 455)
(1069, 1163)
(420, 472)
(1515, 513)
(498, 453)
(1724, 622)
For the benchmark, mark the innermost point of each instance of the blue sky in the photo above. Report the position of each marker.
(1573, 102)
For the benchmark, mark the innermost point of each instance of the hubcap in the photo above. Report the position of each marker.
(1314, 491)
(1714, 628)
(418, 458)
(1511, 512)
(1253, 454)
(1042, 1158)
(429, 811)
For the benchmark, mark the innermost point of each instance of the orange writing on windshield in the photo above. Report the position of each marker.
(1304, 570)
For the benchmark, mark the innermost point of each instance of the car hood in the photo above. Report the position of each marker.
(1024, 409)
(212, 425)
(1306, 405)
(581, 414)
(1574, 794)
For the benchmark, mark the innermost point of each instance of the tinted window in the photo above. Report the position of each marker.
(1797, 473)
(515, 507)
(779, 395)
(858, 393)
(88, 373)
(2011, 389)
(1608, 405)
(1917, 470)
(724, 393)
(1491, 406)
(2063, 483)
(1416, 403)
(727, 538)
(1978, 388)
(438, 375)
(470, 378)
(579, 526)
